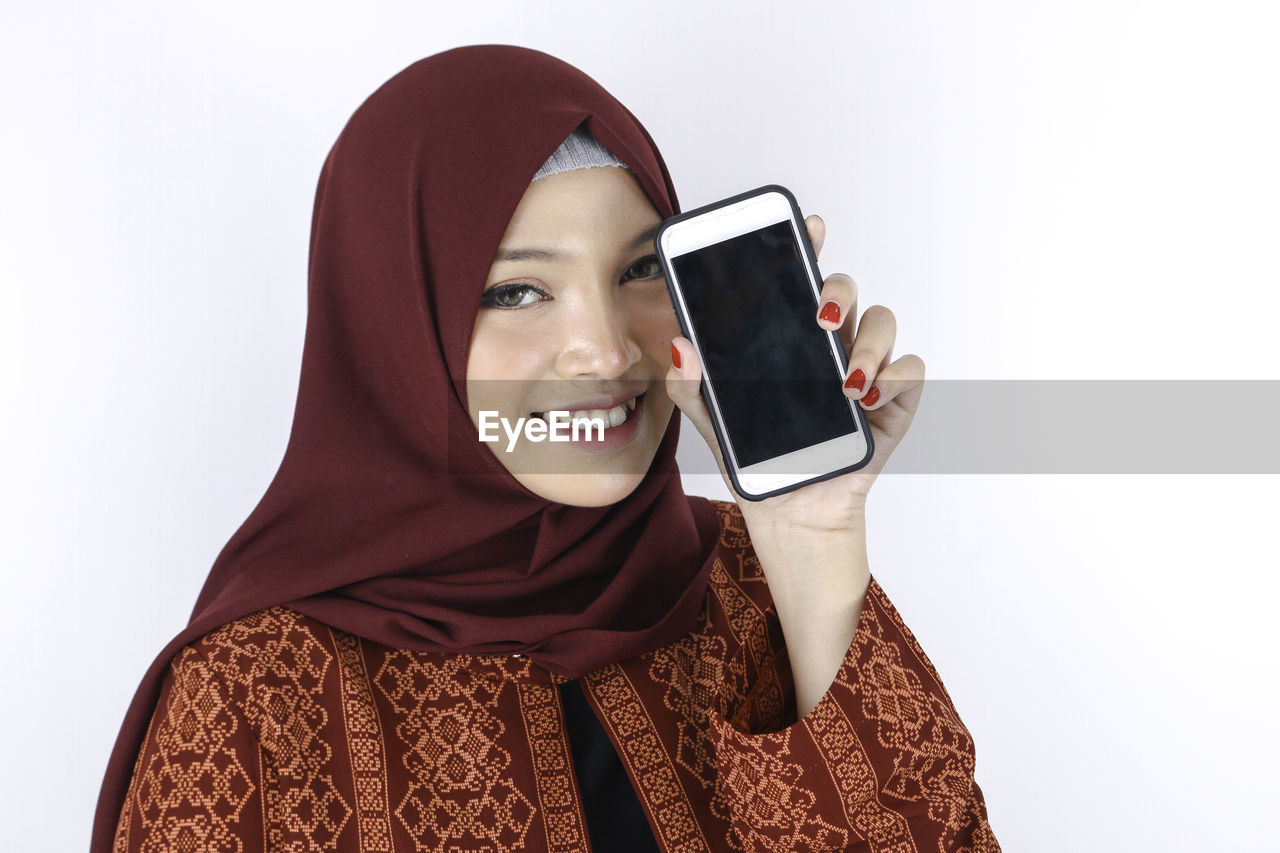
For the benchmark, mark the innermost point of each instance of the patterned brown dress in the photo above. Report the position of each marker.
(279, 733)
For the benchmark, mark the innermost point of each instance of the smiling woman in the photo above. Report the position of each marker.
(420, 640)
(580, 324)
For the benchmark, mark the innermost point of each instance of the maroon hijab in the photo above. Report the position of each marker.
(370, 524)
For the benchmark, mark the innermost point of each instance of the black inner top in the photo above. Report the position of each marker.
(615, 819)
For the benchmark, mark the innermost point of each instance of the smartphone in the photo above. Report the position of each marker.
(745, 285)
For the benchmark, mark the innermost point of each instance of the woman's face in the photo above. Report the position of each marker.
(575, 317)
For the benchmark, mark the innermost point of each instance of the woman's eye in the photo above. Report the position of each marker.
(512, 296)
(646, 267)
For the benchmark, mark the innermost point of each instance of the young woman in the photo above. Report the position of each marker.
(420, 641)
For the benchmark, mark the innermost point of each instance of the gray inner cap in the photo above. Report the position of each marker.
(580, 150)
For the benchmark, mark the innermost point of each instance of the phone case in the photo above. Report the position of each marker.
(812, 259)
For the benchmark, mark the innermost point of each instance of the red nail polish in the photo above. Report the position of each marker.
(675, 356)
(872, 396)
(830, 313)
(855, 380)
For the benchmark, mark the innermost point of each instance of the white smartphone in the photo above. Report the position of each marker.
(745, 284)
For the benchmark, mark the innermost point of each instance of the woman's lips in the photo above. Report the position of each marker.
(622, 423)
(613, 416)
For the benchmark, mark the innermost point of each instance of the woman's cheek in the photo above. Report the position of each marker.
(660, 322)
(502, 350)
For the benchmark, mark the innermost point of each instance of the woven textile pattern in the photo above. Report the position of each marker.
(278, 733)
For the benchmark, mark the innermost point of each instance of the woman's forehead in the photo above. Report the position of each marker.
(598, 202)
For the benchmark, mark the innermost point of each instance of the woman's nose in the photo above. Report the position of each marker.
(597, 339)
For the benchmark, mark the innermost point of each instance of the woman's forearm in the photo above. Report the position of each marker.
(818, 580)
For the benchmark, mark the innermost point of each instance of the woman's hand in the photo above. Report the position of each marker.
(889, 390)
(812, 542)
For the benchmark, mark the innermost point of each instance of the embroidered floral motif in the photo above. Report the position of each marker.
(773, 811)
(460, 795)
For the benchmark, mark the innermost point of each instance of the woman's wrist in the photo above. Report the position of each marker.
(813, 562)
(818, 579)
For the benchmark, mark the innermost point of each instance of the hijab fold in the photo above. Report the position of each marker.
(387, 518)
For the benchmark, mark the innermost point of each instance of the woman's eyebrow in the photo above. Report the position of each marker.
(646, 236)
(536, 254)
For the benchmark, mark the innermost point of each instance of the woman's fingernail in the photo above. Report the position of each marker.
(830, 313)
(675, 356)
(872, 396)
(855, 380)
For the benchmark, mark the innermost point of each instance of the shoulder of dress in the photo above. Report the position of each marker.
(733, 528)
(272, 669)
(725, 508)
(264, 635)
(735, 554)
(736, 571)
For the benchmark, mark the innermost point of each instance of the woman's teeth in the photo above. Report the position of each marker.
(611, 417)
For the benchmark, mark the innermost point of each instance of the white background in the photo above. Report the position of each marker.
(1083, 190)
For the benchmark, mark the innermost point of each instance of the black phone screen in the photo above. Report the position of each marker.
(770, 365)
